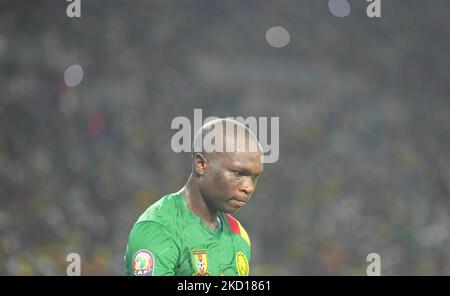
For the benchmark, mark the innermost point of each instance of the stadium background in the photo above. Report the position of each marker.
(364, 128)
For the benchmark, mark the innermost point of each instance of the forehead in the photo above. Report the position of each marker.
(250, 161)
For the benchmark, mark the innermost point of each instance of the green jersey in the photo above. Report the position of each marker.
(168, 239)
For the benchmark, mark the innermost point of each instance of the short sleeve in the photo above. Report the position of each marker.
(151, 250)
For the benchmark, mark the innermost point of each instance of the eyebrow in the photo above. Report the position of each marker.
(245, 170)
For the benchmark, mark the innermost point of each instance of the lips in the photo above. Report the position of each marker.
(237, 203)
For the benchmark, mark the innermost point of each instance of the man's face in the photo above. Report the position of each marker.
(230, 179)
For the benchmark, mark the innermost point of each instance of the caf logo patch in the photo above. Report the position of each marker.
(200, 261)
(242, 264)
(143, 263)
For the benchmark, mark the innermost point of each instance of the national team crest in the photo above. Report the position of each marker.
(242, 264)
(143, 263)
(200, 261)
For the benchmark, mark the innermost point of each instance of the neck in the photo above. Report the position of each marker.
(197, 205)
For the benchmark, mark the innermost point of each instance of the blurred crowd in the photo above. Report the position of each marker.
(364, 108)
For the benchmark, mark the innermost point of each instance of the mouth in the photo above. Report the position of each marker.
(237, 203)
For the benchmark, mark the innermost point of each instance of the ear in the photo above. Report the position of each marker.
(200, 163)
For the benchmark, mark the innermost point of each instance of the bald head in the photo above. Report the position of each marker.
(225, 135)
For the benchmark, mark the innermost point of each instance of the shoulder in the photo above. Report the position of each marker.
(165, 211)
(146, 232)
(236, 227)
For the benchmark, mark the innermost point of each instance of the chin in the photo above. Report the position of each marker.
(227, 210)
(230, 210)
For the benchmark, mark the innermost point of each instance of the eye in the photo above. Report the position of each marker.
(237, 173)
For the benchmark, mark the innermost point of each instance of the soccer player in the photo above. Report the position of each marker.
(191, 232)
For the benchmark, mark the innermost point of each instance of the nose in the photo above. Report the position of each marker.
(247, 186)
